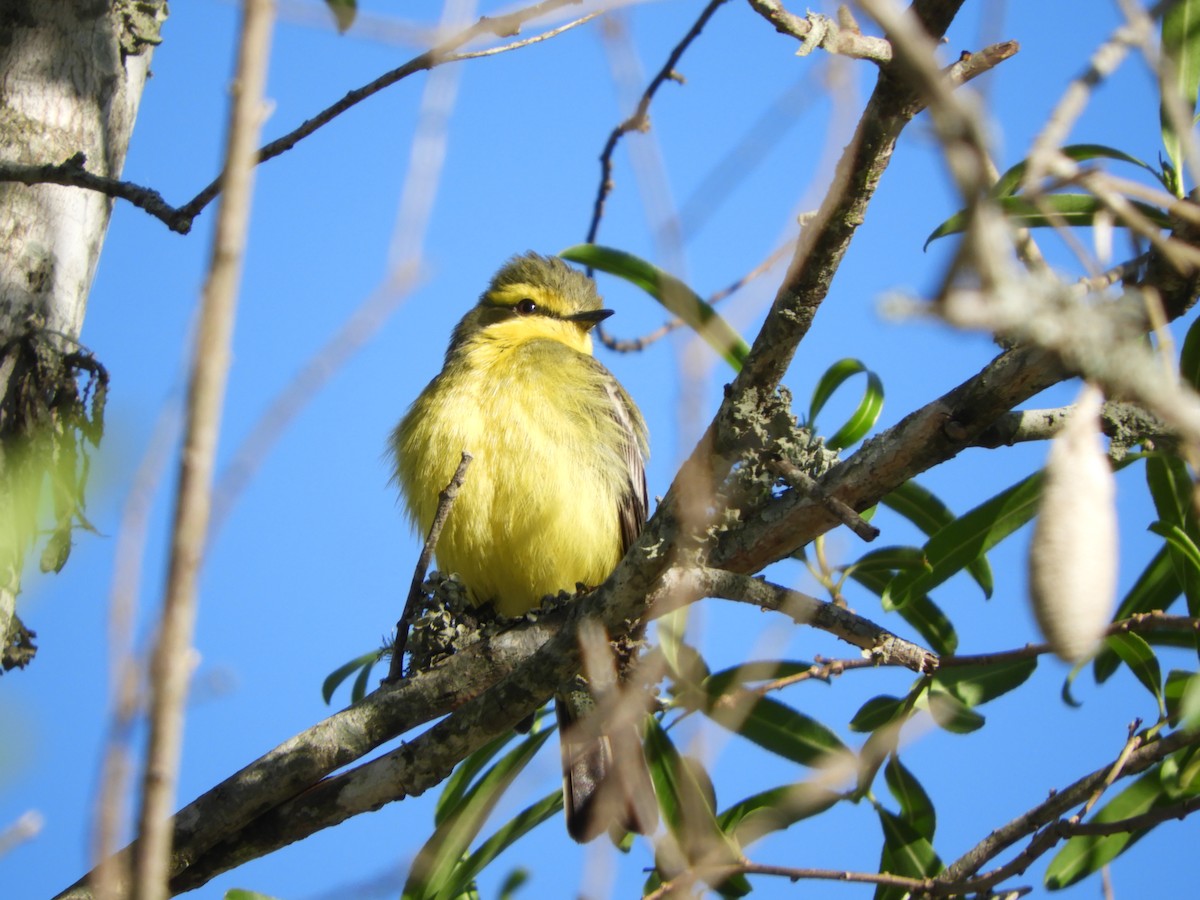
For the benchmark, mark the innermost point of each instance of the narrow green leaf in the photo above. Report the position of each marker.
(716, 684)
(459, 782)
(920, 612)
(890, 559)
(686, 811)
(1181, 694)
(679, 299)
(513, 882)
(1181, 46)
(775, 810)
(968, 538)
(242, 894)
(774, 726)
(1142, 662)
(433, 869)
(915, 806)
(1007, 184)
(1156, 588)
(1085, 854)
(877, 712)
(923, 508)
(905, 852)
(1189, 356)
(335, 678)
(503, 838)
(1071, 210)
(952, 714)
(865, 415)
(975, 685)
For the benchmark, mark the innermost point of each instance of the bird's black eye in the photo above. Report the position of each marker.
(526, 307)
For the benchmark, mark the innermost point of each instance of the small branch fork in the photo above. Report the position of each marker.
(72, 172)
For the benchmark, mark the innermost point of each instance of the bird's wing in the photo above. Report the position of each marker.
(634, 502)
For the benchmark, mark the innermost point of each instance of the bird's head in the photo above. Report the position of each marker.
(535, 297)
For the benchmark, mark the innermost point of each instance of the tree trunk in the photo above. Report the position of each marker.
(71, 77)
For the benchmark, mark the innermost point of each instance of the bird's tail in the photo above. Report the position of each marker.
(606, 783)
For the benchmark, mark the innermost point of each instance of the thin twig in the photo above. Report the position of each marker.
(807, 485)
(172, 659)
(445, 502)
(639, 121)
(841, 36)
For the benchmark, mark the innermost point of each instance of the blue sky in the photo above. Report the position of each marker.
(310, 565)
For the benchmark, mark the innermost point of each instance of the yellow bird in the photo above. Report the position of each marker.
(556, 492)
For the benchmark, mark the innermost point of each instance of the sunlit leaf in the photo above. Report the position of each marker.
(679, 299)
(774, 726)
(335, 678)
(1181, 694)
(925, 510)
(1007, 184)
(1051, 210)
(503, 838)
(974, 685)
(240, 894)
(1082, 855)
(905, 852)
(915, 806)
(968, 537)
(1181, 46)
(865, 415)
(1156, 588)
(952, 714)
(1140, 659)
(890, 559)
(691, 820)
(433, 871)
(876, 712)
(774, 810)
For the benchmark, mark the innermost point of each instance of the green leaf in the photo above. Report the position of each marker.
(686, 811)
(968, 538)
(1007, 184)
(774, 726)
(334, 679)
(1071, 210)
(513, 881)
(1084, 854)
(1142, 662)
(344, 12)
(241, 894)
(865, 415)
(920, 612)
(1189, 356)
(679, 299)
(716, 684)
(433, 870)
(923, 508)
(975, 685)
(1185, 560)
(905, 852)
(774, 810)
(1180, 45)
(952, 714)
(916, 808)
(1156, 588)
(891, 559)
(503, 838)
(1181, 694)
(459, 782)
(877, 712)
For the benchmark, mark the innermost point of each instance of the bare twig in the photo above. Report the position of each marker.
(639, 120)
(445, 502)
(806, 484)
(882, 646)
(172, 658)
(180, 219)
(841, 36)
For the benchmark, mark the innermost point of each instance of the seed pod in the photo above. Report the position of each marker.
(1073, 556)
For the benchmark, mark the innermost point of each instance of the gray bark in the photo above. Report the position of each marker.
(71, 77)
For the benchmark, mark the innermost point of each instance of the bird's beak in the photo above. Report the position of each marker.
(591, 318)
